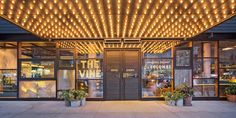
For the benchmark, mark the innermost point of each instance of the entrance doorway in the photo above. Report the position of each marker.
(122, 74)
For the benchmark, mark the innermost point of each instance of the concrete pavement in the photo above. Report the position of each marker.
(116, 109)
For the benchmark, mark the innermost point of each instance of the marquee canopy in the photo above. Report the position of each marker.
(81, 19)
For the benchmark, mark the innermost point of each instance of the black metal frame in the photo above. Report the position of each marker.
(203, 37)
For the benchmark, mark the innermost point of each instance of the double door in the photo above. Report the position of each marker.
(122, 74)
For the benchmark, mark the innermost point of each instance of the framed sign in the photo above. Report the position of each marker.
(183, 58)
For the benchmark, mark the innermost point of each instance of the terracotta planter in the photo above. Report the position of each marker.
(231, 98)
(188, 101)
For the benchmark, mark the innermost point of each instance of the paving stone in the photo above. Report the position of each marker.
(116, 109)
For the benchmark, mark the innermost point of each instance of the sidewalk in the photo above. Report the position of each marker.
(116, 109)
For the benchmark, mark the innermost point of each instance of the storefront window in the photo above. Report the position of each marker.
(90, 74)
(37, 69)
(227, 71)
(8, 83)
(156, 74)
(90, 68)
(8, 70)
(205, 69)
(37, 89)
(93, 87)
(183, 76)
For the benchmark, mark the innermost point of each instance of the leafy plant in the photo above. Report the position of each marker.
(173, 96)
(167, 95)
(70, 95)
(186, 90)
(231, 90)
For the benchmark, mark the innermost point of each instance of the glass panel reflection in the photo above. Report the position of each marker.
(37, 69)
(8, 59)
(183, 76)
(227, 71)
(66, 79)
(93, 87)
(66, 63)
(8, 83)
(205, 68)
(156, 77)
(37, 89)
(205, 87)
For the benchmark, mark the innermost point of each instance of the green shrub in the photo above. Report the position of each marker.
(231, 90)
(185, 89)
(72, 94)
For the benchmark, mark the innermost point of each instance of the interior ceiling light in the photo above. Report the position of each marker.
(97, 47)
(68, 19)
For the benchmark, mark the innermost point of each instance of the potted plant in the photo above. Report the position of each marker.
(75, 101)
(82, 97)
(67, 96)
(174, 99)
(187, 91)
(178, 98)
(74, 98)
(231, 93)
(169, 99)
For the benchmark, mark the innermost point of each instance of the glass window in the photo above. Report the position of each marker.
(8, 70)
(37, 89)
(8, 83)
(38, 50)
(93, 87)
(227, 62)
(66, 79)
(204, 49)
(66, 63)
(156, 77)
(66, 54)
(37, 69)
(66, 57)
(205, 69)
(90, 74)
(166, 54)
(90, 69)
(204, 87)
(183, 76)
(8, 58)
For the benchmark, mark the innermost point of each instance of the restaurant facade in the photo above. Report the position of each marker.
(49, 57)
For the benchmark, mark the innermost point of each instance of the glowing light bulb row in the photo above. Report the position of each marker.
(127, 18)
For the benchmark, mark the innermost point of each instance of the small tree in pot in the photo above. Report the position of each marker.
(231, 93)
(187, 92)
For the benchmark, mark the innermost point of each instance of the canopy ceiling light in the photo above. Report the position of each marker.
(96, 47)
(68, 19)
